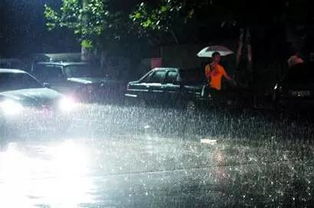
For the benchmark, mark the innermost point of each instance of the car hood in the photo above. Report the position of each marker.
(32, 97)
(91, 80)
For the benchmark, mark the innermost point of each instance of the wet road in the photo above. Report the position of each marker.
(115, 156)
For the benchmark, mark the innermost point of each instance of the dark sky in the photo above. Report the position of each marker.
(23, 30)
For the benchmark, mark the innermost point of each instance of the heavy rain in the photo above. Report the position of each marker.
(84, 123)
(151, 157)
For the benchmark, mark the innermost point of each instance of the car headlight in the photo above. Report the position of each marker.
(67, 104)
(10, 107)
(278, 88)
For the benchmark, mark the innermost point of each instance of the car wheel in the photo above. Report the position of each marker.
(142, 103)
(129, 101)
(190, 106)
(280, 108)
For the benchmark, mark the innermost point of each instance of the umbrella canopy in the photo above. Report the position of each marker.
(208, 51)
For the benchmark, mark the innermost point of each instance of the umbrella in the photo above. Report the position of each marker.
(208, 51)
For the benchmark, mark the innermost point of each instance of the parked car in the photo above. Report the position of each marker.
(79, 79)
(12, 63)
(184, 87)
(25, 103)
(296, 90)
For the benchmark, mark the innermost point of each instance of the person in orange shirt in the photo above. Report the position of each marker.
(214, 72)
(295, 59)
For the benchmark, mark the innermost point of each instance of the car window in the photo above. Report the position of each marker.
(83, 71)
(48, 72)
(157, 76)
(191, 75)
(171, 77)
(16, 81)
(146, 77)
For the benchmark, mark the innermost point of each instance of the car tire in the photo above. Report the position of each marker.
(280, 109)
(278, 106)
(142, 103)
(190, 106)
(129, 102)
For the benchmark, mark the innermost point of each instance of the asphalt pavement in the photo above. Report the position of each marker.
(126, 156)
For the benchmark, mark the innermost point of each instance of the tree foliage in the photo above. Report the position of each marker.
(164, 15)
(153, 18)
(90, 20)
(156, 19)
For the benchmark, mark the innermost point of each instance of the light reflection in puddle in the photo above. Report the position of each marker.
(60, 179)
(209, 141)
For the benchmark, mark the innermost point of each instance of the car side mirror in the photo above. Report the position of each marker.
(46, 85)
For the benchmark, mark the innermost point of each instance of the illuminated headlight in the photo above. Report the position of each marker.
(10, 107)
(67, 104)
(277, 87)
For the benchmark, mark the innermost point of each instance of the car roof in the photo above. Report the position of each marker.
(165, 68)
(3, 70)
(62, 63)
(174, 69)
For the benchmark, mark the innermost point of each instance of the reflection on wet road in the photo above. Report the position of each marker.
(123, 157)
(50, 174)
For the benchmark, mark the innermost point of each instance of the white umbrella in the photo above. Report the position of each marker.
(208, 51)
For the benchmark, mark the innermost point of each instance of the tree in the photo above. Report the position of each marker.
(157, 19)
(86, 18)
(103, 22)
(95, 22)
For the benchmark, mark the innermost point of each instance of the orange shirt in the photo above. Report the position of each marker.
(215, 75)
(294, 60)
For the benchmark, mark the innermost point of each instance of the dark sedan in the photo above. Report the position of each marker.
(24, 102)
(186, 87)
(296, 90)
(80, 79)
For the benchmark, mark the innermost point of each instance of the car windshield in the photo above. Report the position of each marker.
(83, 71)
(301, 73)
(17, 81)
